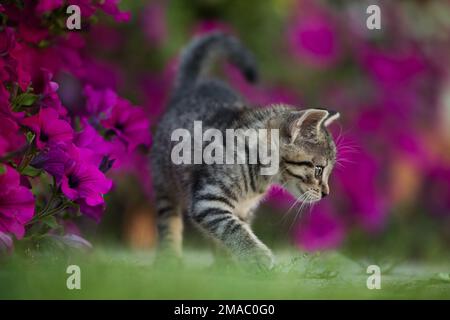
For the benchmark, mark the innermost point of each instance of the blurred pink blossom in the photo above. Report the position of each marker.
(153, 21)
(320, 230)
(16, 203)
(313, 37)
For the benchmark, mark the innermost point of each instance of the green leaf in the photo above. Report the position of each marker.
(31, 172)
(50, 221)
(28, 99)
(2, 169)
(30, 137)
(25, 99)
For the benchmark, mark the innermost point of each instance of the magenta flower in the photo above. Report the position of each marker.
(46, 88)
(11, 138)
(16, 203)
(89, 138)
(111, 7)
(259, 95)
(157, 89)
(312, 36)
(130, 124)
(154, 23)
(357, 182)
(436, 190)
(94, 212)
(48, 127)
(320, 230)
(53, 160)
(393, 67)
(210, 25)
(99, 101)
(83, 180)
(279, 198)
(7, 41)
(47, 5)
(19, 63)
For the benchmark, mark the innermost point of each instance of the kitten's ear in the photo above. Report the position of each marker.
(332, 116)
(307, 124)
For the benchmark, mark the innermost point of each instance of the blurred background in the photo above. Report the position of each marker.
(390, 191)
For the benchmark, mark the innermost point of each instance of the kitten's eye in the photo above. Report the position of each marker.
(318, 170)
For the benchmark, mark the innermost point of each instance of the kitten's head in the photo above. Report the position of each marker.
(307, 152)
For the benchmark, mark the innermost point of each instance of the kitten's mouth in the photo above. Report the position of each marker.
(310, 196)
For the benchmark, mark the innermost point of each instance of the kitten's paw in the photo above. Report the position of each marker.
(262, 259)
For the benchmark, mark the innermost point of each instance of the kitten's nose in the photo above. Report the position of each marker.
(325, 190)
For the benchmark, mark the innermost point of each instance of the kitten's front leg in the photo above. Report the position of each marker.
(234, 234)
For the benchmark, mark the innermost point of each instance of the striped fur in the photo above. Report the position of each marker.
(221, 199)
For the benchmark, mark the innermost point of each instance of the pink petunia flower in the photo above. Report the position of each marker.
(129, 124)
(437, 191)
(16, 203)
(47, 5)
(94, 212)
(89, 138)
(153, 22)
(321, 230)
(54, 160)
(47, 89)
(280, 198)
(312, 36)
(7, 40)
(111, 7)
(11, 138)
(210, 25)
(99, 101)
(359, 183)
(48, 127)
(83, 180)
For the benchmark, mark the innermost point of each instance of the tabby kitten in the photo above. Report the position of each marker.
(221, 198)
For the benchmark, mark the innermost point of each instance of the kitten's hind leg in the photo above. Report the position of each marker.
(170, 229)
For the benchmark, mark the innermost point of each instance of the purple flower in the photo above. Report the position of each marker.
(393, 67)
(312, 36)
(437, 191)
(99, 101)
(44, 6)
(94, 212)
(89, 138)
(154, 22)
(16, 203)
(83, 180)
(11, 138)
(157, 90)
(129, 124)
(260, 95)
(46, 88)
(210, 25)
(358, 182)
(279, 197)
(111, 7)
(48, 127)
(320, 230)
(7, 40)
(54, 160)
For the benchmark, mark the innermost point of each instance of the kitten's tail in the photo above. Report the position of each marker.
(196, 59)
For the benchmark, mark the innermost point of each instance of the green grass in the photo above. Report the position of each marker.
(119, 274)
